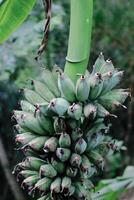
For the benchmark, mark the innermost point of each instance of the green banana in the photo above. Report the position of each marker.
(112, 81)
(82, 89)
(48, 170)
(97, 126)
(66, 184)
(63, 154)
(32, 97)
(45, 122)
(96, 158)
(19, 129)
(71, 191)
(107, 75)
(75, 160)
(96, 90)
(43, 185)
(73, 124)
(71, 171)
(85, 165)
(27, 107)
(55, 71)
(45, 110)
(32, 163)
(115, 80)
(59, 125)
(48, 78)
(99, 63)
(108, 66)
(90, 111)
(28, 151)
(114, 98)
(66, 87)
(26, 173)
(76, 134)
(43, 91)
(59, 106)
(80, 146)
(101, 111)
(94, 80)
(56, 185)
(58, 166)
(75, 111)
(25, 138)
(51, 144)
(80, 192)
(94, 140)
(102, 66)
(28, 121)
(37, 143)
(64, 140)
(30, 181)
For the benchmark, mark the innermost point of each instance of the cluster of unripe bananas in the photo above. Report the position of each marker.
(61, 129)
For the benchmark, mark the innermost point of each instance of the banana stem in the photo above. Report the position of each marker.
(79, 38)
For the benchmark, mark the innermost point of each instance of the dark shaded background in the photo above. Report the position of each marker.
(113, 34)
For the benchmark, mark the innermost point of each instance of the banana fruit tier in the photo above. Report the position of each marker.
(61, 129)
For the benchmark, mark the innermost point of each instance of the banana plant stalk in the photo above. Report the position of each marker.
(79, 38)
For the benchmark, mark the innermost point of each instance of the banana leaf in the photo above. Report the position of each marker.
(12, 14)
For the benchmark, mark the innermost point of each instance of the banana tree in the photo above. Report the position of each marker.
(61, 125)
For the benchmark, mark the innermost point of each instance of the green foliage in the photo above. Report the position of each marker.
(111, 188)
(113, 32)
(12, 14)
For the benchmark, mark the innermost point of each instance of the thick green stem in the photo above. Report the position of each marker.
(79, 38)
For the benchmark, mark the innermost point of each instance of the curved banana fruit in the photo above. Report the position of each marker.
(32, 97)
(82, 89)
(48, 78)
(59, 106)
(43, 90)
(66, 87)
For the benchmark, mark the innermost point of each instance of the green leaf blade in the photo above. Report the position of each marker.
(12, 14)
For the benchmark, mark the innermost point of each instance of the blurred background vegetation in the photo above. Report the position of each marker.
(113, 34)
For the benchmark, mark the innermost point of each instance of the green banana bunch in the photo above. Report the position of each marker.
(61, 131)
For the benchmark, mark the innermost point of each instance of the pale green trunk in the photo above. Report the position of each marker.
(79, 38)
